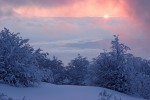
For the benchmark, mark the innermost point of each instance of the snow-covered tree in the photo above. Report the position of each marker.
(108, 69)
(138, 76)
(52, 69)
(58, 70)
(43, 63)
(18, 65)
(76, 70)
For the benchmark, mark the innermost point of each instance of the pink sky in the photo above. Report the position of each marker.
(80, 21)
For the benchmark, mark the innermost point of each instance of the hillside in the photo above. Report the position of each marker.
(60, 92)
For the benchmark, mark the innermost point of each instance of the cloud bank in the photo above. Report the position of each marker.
(128, 18)
(135, 10)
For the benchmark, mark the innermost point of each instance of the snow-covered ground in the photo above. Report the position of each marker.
(60, 92)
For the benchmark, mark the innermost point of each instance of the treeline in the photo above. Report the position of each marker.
(21, 65)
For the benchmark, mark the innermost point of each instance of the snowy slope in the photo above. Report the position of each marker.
(59, 92)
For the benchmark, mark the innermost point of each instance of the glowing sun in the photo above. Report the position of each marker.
(106, 16)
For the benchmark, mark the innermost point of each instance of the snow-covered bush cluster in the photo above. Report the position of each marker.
(104, 95)
(121, 71)
(19, 64)
(108, 69)
(76, 70)
(5, 97)
(117, 69)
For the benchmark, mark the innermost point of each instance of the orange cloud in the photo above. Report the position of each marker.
(85, 8)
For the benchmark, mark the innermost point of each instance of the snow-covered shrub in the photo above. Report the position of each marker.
(47, 76)
(58, 70)
(18, 65)
(52, 69)
(138, 80)
(140, 85)
(104, 95)
(4, 97)
(76, 70)
(43, 63)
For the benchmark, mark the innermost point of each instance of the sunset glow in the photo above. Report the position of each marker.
(106, 16)
(90, 8)
(59, 20)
